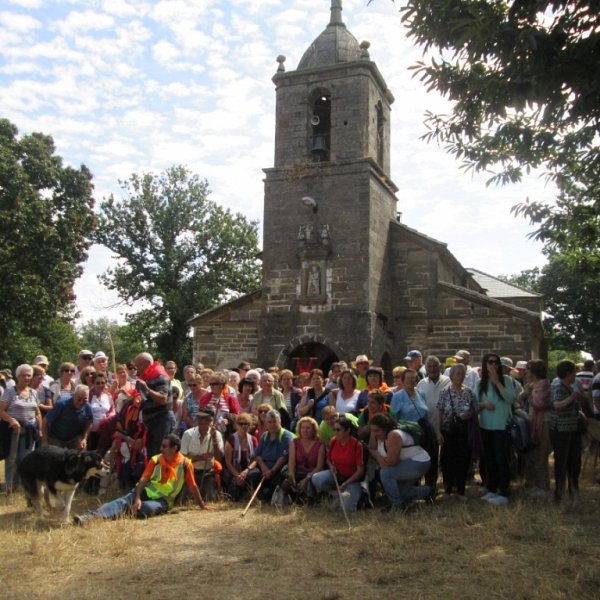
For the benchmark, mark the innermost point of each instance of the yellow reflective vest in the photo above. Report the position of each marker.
(170, 488)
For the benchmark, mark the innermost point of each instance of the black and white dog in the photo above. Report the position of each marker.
(58, 470)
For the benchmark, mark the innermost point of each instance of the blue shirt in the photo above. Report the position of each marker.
(272, 450)
(495, 420)
(406, 409)
(66, 420)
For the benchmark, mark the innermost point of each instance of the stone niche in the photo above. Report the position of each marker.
(314, 247)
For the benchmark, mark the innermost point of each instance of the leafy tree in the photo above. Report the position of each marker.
(180, 253)
(523, 78)
(96, 335)
(571, 291)
(555, 356)
(46, 211)
(527, 279)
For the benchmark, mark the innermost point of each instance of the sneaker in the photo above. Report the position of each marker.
(499, 500)
(391, 508)
(79, 520)
(430, 499)
(489, 496)
(539, 495)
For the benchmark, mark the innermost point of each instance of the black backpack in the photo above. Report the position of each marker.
(517, 427)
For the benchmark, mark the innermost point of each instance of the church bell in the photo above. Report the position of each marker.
(319, 145)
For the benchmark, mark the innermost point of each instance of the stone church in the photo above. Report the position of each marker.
(342, 275)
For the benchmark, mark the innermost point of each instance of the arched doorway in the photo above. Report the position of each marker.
(311, 355)
(386, 365)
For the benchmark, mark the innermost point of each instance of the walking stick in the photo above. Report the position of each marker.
(253, 496)
(13, 458)
(213, 425)
(337, 485)
(112, 352)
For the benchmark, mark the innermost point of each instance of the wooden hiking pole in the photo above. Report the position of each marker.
(337, 485)
(253, 496)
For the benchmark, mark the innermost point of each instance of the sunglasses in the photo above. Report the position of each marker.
(68, 371)
(263, 412)
(86, 358)
(493, 362)
(243, 424)
(192, 385)
(215, 384)
(165, 446)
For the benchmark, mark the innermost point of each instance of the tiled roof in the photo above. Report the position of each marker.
(496, 288)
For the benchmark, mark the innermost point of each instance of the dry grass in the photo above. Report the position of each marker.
(528, 550)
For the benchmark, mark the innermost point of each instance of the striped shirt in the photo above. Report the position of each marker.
(23, 410)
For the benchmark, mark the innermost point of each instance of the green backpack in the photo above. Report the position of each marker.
(413, 429)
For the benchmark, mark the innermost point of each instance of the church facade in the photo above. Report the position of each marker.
(342, 276)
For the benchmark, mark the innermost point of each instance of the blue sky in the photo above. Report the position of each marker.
(135, 86)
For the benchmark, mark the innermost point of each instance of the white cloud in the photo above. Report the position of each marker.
(165, 53)
(122, 8)
(24, 67)
(83, 21)
(18, 22)
(27, 3)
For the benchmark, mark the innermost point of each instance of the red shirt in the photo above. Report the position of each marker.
(345, 457)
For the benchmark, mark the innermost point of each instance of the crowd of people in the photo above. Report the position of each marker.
(300, 437)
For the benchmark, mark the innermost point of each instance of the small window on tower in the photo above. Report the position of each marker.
(321, 128)
(380, 133)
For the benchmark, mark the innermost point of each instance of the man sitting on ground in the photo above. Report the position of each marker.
(202, 445)
(160, 484)
(271, 456)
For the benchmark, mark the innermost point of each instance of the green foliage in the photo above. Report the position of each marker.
(180, 252)
(527, 279)
(95, 335)
(523, 78)
(571, 291)
(555, 356)
(46, 211)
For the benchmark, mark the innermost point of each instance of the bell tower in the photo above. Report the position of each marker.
(329, 201)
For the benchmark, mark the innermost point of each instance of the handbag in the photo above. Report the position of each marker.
(581, 418)
(280, 498)
(429, 442)
(6, 433)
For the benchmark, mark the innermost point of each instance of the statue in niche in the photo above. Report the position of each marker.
(302, 233)
(309, 232)
(325, 234)
(313, 287)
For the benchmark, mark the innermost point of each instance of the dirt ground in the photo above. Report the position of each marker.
(530, 549)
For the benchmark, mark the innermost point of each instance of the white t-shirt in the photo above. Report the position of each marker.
(409, 450)
(100, 406)
(344, 406)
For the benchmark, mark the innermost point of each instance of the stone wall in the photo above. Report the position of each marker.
(229, 334)
(355, 89)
